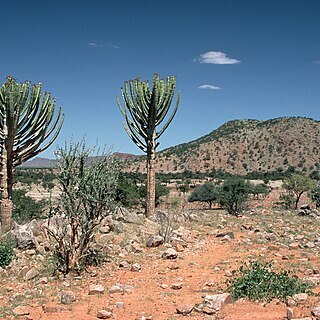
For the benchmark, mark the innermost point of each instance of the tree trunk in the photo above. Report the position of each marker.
(151, 180)
(297, 200)
(6, 206)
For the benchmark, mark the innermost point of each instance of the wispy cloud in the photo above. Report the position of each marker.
(95, 45)
(216, 57)
(100, 45)
(317, 61)
(111, 45)
(209, 87)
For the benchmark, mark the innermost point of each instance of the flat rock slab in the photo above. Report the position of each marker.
(184, 309)
(96, 289)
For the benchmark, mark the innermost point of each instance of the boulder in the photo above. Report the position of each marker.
(155, 241)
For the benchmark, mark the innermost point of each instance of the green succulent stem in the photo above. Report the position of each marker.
(144, 110)
(28, 126)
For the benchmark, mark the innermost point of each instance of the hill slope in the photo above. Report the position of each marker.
(243, 146)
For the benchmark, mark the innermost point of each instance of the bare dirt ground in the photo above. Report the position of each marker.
(203, 267)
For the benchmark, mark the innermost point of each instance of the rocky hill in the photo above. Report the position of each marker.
(243, 146)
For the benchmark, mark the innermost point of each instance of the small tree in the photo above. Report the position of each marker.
(205, 193)
(298, 184)
(87, 196)
(26, 121)
(144, 110)
(233, 194)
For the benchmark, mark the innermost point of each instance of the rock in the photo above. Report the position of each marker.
(226, 233)
(104, 314)
(294, 245)
(123, 214)
(217, 301)
(53, 309)
(124, 264)
(120, 288)
(316, 312)
(67, 297)
(155, 241)
(179, 247)
(21, 311)
(136, 267)
(184, 309)
(24, 236)
(313, 280)
(96, 289)
(301, 297)
(164, 286)
(31, 274)
(30, 252)
(270, 237)
(290, 314)
(310, 244)
(170, 254)
(104, 229)
(120, 305)
(177, 286)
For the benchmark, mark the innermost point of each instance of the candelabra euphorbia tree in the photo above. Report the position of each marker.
(144, 110)
(28, 126)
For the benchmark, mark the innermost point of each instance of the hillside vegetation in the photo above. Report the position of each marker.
(244, 146)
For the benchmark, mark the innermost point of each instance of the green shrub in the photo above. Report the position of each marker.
(6, 253)
(258, 282)
(25, 207)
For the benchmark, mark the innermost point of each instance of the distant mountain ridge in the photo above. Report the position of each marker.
(243, 146)
(39, 162)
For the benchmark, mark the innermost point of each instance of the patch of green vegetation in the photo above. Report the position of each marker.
(257, 282)
(25, 207)
(6, 253)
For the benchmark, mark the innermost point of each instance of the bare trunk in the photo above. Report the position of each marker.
(151, 180)
(6, 206)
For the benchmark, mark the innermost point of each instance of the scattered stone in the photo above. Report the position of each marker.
(120, 305)
(67, 297)
(164, 286)
(43, 280)
(228, 273)
(173, 266)
(53, 309)
(31, 252)
(230, 234)
(179, 247)
(21, 311)
(155, 241)
(301, 297)
(170, 254)
(316, 312)
(217, 301)
(184, 309)
(31, 274)
(177, 286)
(105, 229)
(136, 267)
(104, 314)
(310, 244)
(96, 289)
(120, 288)
(290, 314)
(270, 237)
(124, 264)
(294, 245)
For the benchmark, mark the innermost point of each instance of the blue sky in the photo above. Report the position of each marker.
(257, 59)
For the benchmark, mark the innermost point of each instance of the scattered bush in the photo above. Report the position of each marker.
(88, 195)
(233, 195)
(258, 282)
(205, 193)
(6, 253)
(25, 207)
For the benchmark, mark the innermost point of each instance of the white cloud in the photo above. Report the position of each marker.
(95, 45)
(216, 57)
(111, 45)
(317, 62)
(209, 86)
